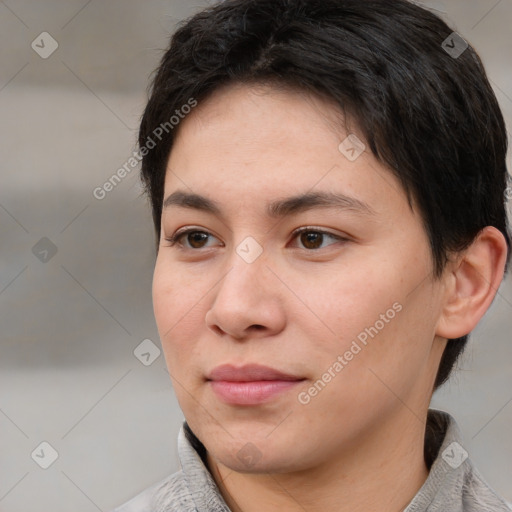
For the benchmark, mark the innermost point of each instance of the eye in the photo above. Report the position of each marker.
(196, 238)
(311, 238)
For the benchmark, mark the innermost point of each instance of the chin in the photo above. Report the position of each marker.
(250, 459)
(259, 454)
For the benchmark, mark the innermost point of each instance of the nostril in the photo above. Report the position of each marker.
(217, 329)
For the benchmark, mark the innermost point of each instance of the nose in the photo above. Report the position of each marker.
(248, 302)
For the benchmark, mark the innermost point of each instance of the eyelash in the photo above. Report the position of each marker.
(174, 239)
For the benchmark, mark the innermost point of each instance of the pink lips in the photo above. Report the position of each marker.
(250, 384)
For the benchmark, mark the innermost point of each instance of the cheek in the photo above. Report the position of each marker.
(165, 303)
(390, 353)
(175, 294)
(178, 314)
(374, 320)
(347, 301)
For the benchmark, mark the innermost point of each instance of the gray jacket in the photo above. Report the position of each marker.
(453, 484)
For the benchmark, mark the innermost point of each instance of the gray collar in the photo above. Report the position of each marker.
(453, 483)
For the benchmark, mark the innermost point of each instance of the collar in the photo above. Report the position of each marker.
(453, 484)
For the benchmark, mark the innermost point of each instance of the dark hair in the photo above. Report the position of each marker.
(430, 115)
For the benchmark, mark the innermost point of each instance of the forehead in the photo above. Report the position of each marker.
(261, 109)
(256, 143)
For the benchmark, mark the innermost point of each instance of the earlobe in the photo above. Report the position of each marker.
(472, 284)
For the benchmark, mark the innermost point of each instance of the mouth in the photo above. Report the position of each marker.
(250, 384)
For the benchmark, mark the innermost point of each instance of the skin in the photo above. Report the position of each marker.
(301, 304)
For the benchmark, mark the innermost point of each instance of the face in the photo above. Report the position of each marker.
(335, 297)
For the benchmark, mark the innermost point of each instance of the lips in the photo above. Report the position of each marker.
(250, 384)
(248, 373)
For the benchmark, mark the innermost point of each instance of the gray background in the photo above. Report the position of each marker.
(69, 325)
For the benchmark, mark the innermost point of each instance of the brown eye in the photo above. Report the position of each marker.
(314, 239)
(311, 239)
(195, 239)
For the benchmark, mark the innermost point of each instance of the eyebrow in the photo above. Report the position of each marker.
(276, 209)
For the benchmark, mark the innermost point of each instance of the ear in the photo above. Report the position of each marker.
(471, 283)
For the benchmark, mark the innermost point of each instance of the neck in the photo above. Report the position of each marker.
(382, 472)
